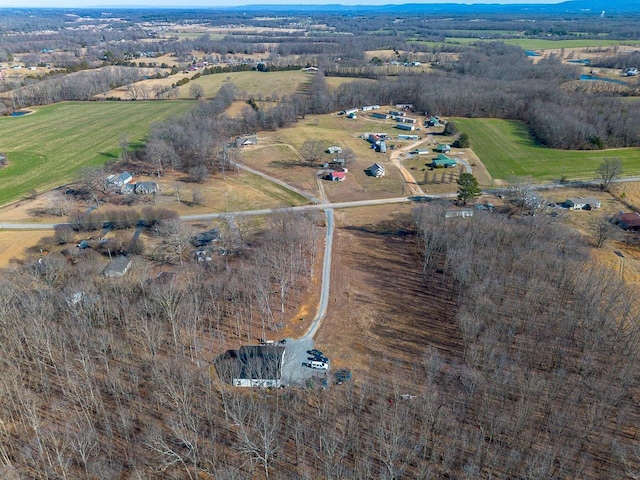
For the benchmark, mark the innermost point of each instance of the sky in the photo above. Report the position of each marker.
(227, 3)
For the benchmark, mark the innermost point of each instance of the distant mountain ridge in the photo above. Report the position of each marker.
(571, 6)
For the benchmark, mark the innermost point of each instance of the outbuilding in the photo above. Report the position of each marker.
(337, 176)
(443, 161)
(376, 170)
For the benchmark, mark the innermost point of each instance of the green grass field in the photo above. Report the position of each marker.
(47, 148)
(506, 148)
(257, 83)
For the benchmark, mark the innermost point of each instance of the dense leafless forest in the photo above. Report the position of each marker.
(109, 378)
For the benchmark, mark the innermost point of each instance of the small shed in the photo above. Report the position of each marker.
(334, 149)
(443, 161)
(117, 267)
(583, 203)
(443, 148)
(376, 170)
(382, 148)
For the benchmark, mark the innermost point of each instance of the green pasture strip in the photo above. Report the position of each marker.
(506, 148)
(48, 147)
(253, 83)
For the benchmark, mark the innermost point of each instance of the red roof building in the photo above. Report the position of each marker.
(629, 221)
(337, 176)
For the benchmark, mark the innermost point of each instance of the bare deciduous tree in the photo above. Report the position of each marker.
(603, 230)
(311, 151)
(609, 169)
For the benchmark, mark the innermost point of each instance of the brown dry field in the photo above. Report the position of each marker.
(14, 244)
(380, 315)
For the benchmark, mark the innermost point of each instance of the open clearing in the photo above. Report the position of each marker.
(47, 148)
(506, 148)
(13, 245)
(381, 317)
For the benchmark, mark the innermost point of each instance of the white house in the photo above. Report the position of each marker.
(119, 180)
(583, 203)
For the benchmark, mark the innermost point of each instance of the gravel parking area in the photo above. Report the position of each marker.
(293, 372)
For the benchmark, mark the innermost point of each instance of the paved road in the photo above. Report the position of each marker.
(266, 211)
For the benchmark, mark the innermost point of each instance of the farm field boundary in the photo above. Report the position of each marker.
(507, 149)
(48, 148)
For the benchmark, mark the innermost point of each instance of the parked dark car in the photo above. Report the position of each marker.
(319, 358)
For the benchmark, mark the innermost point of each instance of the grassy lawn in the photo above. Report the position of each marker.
(506, 148)
(256, 83)
(47, 148)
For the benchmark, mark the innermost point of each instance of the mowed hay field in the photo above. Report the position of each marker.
(507, 149)
(48, 147)
(256, 84)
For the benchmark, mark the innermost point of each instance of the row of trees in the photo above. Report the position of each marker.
(82, 85)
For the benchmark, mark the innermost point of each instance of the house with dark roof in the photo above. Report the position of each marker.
(146, 188)
(246, 141)
(206, 238)
(252, 366)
